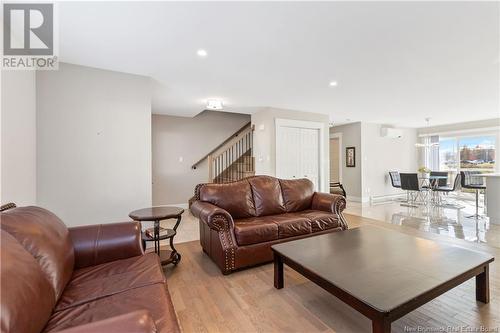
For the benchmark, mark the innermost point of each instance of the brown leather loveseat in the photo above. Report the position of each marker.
(92, 278)
(239, 221)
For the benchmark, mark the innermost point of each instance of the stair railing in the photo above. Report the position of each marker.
(232, 162)
(232, 159)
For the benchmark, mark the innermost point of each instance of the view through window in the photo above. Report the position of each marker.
(448, 154)
(475, 153)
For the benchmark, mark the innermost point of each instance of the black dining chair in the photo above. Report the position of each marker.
(473, 180)
(410, 183)
(396, 183)
(440, 182)
(395, 179)
(434, 183)
(448, 189)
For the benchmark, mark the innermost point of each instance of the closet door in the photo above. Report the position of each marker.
(288, 152)
(297, 153)
(309, 155)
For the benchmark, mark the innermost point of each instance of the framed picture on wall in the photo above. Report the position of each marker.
(350, 157)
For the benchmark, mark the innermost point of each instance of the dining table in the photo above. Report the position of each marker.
(430, 183)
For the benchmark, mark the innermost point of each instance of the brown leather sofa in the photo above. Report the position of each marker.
(239, 221)
(92, 278)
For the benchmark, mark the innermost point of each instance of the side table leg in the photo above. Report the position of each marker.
(176, 256)
(483, 285)
(174, 251)
(278, 272)
(157, 237)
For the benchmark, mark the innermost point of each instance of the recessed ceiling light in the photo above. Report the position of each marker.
(215, 104)
(202, 53)
(333, 83)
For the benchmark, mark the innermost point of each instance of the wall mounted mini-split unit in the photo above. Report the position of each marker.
(389, 132)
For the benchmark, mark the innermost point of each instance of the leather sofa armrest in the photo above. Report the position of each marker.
(217, 218)
(137, 322)
(221, 222)
(333, 203)
(100, 243)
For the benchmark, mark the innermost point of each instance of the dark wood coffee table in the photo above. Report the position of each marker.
(382, 274)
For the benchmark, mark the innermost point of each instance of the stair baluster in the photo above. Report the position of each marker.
(232, 160)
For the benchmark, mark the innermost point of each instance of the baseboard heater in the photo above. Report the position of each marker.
(381, 199)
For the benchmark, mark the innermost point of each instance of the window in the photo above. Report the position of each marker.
(474, 153)
(477, 153)
(448, 154)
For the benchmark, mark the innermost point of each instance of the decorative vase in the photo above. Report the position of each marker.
(424, 175)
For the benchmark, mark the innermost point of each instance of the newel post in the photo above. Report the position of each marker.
(210, 168)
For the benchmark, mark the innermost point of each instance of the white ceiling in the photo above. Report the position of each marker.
(395, 62)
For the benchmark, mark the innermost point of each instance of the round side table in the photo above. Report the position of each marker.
(157, 214)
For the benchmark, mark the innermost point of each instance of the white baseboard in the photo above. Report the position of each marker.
(357, 199)
(386, 198)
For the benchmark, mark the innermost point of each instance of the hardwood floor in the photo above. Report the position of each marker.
(246, 301)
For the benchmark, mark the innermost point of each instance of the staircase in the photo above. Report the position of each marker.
(241, 168)
(233, 159)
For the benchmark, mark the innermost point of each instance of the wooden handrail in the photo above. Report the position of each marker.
(222, 144)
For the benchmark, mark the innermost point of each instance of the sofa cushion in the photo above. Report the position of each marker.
(255, 230)
(292, 224)
(267, 195)
(46, 237)
(320, 220)
(235, 198)
(153, 298)
(136, 322)
(27, 296)
(91, 283)
(297, 194)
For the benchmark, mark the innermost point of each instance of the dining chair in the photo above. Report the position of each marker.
(441, 181)
(337, 188)
(395, 179)
(448, 189)
(411, 184)
(396, 183)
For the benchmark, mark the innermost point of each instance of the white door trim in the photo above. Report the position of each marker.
(322, 177)
(341, 155)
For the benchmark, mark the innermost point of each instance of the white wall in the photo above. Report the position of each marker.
(351, 176)
(94, 143)
(189, 139)
(375, 157)
(381, 155)
(265, 139)
(18, 138)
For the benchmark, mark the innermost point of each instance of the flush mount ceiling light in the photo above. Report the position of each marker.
(202, 53)
(333, 83)
(214, 104)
